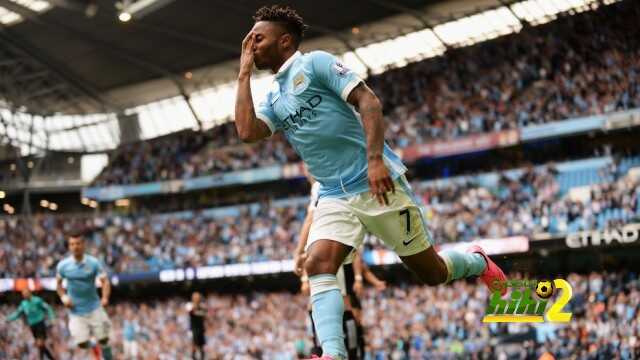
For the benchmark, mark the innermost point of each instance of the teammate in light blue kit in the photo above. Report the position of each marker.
(87, 315)
(130, 333)
(334, 122)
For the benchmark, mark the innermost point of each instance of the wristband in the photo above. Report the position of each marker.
(304, 278)
(374, 157)
(358, 277)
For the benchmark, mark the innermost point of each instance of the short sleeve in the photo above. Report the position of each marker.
(333, 74)
(100, 269)
(59, 273)
(265, 113)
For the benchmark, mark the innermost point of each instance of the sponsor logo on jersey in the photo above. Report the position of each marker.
(295, 121)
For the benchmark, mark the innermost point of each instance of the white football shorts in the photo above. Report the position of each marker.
(400, 225)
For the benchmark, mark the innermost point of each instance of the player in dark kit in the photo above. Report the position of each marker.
(354, 276)
(197, 313)
(34, 309)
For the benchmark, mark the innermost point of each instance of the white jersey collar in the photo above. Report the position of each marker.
(288, 63)
(84, 259)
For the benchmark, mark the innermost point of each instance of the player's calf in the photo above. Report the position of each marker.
(430, 268)
(324, 258)
(438, 268)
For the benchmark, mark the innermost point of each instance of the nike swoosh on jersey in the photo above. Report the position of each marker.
(405, 243)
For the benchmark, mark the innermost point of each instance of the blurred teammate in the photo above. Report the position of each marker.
(130, 330)
(197, 314)
(34, 309)
(334, 122)
(87, 316)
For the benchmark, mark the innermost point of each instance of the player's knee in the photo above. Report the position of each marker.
(40, 343)
(325, 257)
(315, 265)
(84, 345)
(311, 265)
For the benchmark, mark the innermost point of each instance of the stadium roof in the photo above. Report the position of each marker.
(99, 54)
(174, 63)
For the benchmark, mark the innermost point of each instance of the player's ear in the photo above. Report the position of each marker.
(286, 41)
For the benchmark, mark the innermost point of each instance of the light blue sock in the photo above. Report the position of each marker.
(327, 310)
(462, 264)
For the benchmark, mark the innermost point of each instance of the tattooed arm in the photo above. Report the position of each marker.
(370, 109)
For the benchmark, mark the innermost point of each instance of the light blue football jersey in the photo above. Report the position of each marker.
(81, 282)
(308, 102)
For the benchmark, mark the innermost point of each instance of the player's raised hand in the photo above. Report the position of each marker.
(246, 57)
(380, 182)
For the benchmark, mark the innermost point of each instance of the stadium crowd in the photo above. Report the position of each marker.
(403, 322)
(189, 154)
(523, 204)
(468, 210)
(127, 244)
(574, 66)
(526, 204)
(578, 65)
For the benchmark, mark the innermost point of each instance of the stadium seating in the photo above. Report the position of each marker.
(529, 201)
(405, 322)
(540, 75)
(578, 65)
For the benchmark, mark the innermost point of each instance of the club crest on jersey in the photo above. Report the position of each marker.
(340, 69)
(298, 80)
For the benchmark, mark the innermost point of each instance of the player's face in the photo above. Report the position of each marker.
(267, 46)
(76, 246)
(26, 293)
(195, 298)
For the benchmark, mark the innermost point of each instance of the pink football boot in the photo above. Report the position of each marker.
(492, 273)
